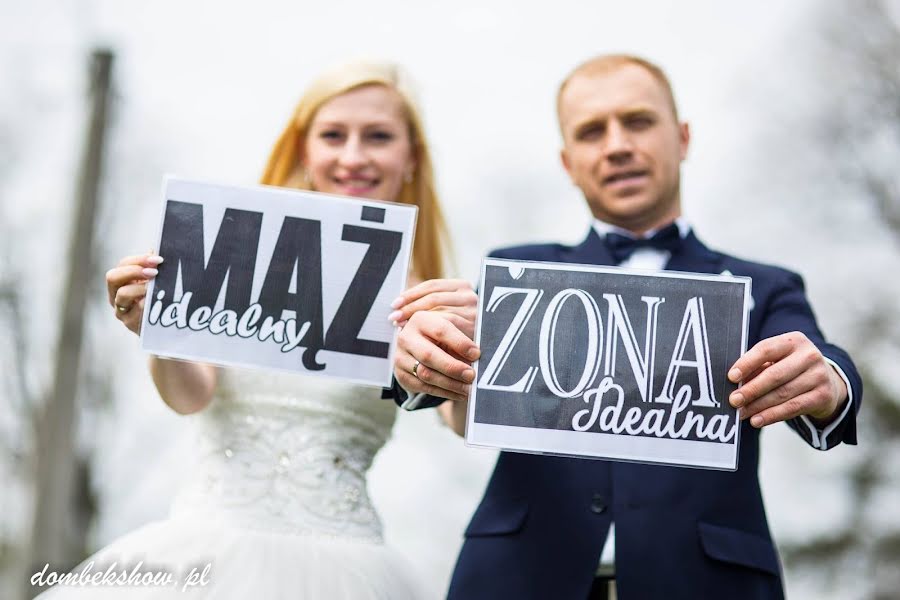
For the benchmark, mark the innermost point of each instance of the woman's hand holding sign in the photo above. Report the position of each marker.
(187, 387)
(454, 296)
(784, 377)
(126, 285)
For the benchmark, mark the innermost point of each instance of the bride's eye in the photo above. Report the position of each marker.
(380, 137)
(331, 135)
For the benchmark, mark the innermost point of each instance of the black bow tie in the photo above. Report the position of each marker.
(622, 246)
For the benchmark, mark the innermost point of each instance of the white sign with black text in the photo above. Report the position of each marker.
(603, 362)
(276, 278)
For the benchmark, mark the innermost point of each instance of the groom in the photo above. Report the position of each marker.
(569, 528)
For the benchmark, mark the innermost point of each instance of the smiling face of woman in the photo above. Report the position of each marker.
(358, 144)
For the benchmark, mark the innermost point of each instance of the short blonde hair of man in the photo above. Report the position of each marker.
(607, 63)
(285, 169)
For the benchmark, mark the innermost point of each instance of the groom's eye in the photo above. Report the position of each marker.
(591, 131)
(639, 121)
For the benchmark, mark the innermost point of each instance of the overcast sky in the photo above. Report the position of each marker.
(205, 87)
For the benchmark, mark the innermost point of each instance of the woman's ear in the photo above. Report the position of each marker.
(301, 151)
(301, 160)
(411, 164)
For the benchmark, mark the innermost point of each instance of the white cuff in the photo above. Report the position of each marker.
(820, 436)
(413, 400)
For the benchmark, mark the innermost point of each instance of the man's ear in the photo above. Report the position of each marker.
(684, 135)
(566, 163)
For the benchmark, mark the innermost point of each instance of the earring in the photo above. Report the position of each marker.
(306, 178)
(408, 177)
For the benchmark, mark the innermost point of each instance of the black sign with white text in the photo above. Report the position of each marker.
(277, 278)
(608, 363)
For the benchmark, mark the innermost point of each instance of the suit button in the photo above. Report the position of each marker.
(598, 504)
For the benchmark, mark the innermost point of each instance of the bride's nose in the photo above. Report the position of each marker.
(353, 153)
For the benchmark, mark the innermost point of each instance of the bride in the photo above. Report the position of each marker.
(278, 506)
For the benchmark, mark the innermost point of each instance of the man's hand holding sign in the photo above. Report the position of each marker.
(786, 376)
(437, 309)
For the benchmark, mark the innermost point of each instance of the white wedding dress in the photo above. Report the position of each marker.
(278, 505)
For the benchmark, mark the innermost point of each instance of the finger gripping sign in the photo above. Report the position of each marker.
(602, 362)
(275, 278)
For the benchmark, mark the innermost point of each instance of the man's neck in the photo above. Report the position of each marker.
(651, 221)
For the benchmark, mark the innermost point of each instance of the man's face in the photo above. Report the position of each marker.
(623, 147)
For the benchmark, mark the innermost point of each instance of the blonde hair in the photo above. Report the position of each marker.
(285, 169)
(606, 63)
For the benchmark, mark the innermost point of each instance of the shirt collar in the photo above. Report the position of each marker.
(602, 228)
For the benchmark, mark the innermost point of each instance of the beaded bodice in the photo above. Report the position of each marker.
(288, 453)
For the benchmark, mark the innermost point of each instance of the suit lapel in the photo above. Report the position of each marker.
(693, 256)
(592, 251)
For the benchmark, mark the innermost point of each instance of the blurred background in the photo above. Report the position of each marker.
(795, 114)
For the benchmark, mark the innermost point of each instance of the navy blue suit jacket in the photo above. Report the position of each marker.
(680, 532)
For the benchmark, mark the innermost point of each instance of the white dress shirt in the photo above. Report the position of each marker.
(650, 259)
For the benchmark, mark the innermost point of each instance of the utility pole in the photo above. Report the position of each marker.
(58, 538)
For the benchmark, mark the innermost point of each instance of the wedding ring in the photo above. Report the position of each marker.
(122, 309)
(415, 370)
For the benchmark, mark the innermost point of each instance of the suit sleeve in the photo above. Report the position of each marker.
(408, 401)
(789, 310)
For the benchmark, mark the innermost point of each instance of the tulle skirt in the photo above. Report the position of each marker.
(182, 558)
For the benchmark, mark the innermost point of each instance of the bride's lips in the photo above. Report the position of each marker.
(356, 186)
